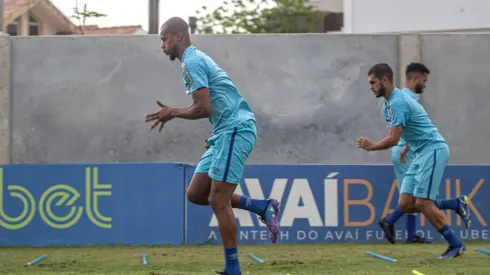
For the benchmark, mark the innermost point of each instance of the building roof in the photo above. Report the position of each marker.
(15, 8)
(121, 30)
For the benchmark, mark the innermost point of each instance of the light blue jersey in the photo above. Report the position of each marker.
(234, 130)
(414, 96)
(229, 108)
(419, 132)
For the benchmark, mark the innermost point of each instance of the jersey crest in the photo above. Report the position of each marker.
(188, 77)
(389, 112)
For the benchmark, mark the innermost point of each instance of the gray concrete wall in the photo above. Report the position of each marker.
(83, 99)
(458, 92)
(5, 70)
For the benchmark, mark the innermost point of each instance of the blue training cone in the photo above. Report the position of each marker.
(484, 251)
(257, 259)
(37, 260)
(379, 256)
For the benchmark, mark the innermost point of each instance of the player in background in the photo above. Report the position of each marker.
(415, 74)
(409, 120)
(220, 169)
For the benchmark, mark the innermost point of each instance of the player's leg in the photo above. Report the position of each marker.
(406, 205)
(460, 205)
(222, 188)
(410, 217)
(431, 169)
(243, 145)
(400, 171)
(200, 188)
(220, 201)
(231, 152)
(405, 202)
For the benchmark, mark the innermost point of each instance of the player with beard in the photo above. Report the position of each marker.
(416, 75)
(220, 169)
(420, 187)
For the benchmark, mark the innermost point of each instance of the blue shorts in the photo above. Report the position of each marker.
(426, 171)
(228, 151)
(400, 168)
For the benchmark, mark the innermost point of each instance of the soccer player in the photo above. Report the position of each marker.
(234, 135)
(409, 120)
(416, 78)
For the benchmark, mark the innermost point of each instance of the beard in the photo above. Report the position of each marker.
(174, 54)
(419, 89)
(381, 91)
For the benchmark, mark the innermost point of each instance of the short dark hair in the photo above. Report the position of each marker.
(414, 68)
(381, 70)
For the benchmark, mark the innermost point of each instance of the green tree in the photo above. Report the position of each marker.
(82, 15)
(260, 16)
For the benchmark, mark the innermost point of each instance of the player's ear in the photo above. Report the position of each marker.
(178, 36)
(386, 80)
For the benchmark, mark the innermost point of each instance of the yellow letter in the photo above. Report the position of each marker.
(98, 219)
(348, 202)
(386, 209)
(63, 192)
(28, 209)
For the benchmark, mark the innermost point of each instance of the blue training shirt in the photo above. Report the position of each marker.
(229, 108)
(414, 96)
(419, 132)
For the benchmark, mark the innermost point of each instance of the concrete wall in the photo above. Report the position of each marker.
(458, 93)
(5, 70)
(83, 99)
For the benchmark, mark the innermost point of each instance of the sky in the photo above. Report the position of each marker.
(134, 12)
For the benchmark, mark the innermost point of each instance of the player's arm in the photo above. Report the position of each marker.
(196, 83)
(401, 113)
(389, 141)
(200, 108)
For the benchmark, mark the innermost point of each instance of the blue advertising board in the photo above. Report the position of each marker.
(338, 203)
(144, 203)
(92, 204)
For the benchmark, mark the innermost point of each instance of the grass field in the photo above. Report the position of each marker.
(279, 259)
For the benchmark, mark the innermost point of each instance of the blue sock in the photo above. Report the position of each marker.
(394, 216)
(232, 266)
(450, 236)
(256, 206)
(447, 204)
(411, 226)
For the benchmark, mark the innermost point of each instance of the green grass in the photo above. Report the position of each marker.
(282, 259)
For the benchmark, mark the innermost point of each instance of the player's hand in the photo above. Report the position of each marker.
(161, 117)
(403, 154)
(206, 144)
(363, 143)
(403, 157)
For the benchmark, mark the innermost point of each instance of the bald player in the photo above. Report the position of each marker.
(220, 169)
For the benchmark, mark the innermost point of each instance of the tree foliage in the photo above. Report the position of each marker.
(82, 15)
(260, 16)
